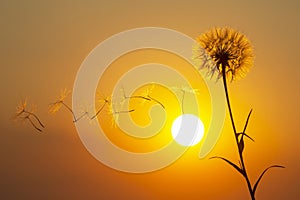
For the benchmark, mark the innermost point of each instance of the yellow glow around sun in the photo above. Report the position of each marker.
(147, 112)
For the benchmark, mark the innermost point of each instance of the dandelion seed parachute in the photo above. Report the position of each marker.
(54, 107)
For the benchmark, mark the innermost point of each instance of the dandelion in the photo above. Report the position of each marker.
(145, 96)
(229, 54)
(54, 107)
(24, 113)
(104, 101)
(224, 51)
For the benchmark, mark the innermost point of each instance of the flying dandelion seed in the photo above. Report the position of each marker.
(145, 96)
(223, 49)
(184, 90)
(148, 91)
(116, 113)
(21, 107)
(55, 107)
(102, 100)
(24, 113)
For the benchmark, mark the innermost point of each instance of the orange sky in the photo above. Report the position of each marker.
(43, 46)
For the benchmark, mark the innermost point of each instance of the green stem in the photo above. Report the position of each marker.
(235, 133)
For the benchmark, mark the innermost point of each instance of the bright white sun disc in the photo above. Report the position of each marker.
(187, 130)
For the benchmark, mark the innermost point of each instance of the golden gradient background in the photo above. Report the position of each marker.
(42, 46)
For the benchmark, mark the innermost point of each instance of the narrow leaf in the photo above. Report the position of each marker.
(259, 179)
(247, 121)
(231, 163)
(244, 134)
(248, 137)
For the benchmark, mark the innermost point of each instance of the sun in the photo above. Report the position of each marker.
(187, 130)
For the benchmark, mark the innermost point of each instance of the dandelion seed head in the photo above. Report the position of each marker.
(225, 48)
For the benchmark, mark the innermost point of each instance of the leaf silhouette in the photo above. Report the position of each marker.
(262, 174)
(244, 134)
(247, 121)
(231, 163)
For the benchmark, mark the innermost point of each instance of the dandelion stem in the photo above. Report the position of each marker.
(235, 133)
(28, 117)
(97, 113)
(138, 97)
(36, 117)
(151, 98)
(81, 116)
(146, 97)
(123, 111)
(74, 117)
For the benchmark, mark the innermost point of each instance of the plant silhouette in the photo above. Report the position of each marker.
(228, 54)
(24, 113)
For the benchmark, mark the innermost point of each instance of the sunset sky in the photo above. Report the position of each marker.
(43, 44)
